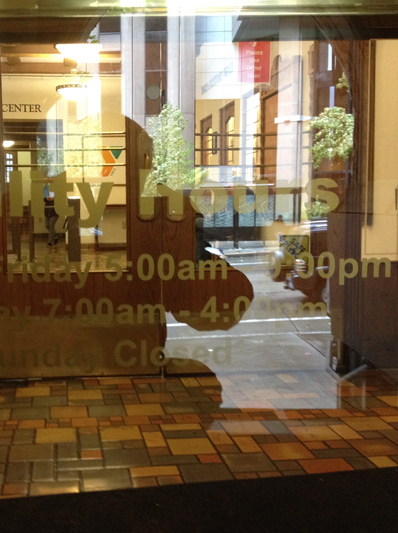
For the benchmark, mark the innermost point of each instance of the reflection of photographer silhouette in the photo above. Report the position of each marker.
(212, 295)
(206, 293)
(278, 227)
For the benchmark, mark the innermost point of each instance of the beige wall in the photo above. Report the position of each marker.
(380, 239)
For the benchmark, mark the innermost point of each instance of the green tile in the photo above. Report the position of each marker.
(50, 401)
(207, 472)
(43, 471)
(89, 442)
(70, 475)
(23, 436)
(337, 452)
(55, 487)
(30, 413)
(360, 463)
(80, 464)
(17, 473)
(181, 408)
(106, 479)
(66, 451)
(98, 411)
(31, 452)
(250, 462)
(283, 466)
(275, 427)
(126, 457)
(163, 460)
(3, 453)
(187, 434)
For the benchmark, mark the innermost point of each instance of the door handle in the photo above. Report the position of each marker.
(396, 198)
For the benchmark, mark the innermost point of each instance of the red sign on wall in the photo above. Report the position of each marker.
(254, 62)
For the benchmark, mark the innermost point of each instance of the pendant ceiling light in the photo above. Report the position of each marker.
(81, 52)
(72, 91)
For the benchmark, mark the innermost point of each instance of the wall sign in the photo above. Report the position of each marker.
(254, 62)
(21, 108)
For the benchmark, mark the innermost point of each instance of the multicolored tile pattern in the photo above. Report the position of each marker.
(110, 433)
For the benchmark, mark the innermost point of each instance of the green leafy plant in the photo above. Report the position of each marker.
(316, 209)
(171, 153)
(343, 82)
(335, 132)
(334, 137)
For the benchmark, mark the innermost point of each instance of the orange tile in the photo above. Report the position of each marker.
(374, 447)
(84, 422)
(369, 423)
(217, 436)
(31, 424)
(385, 411)
(91, 454)
(316, 445)
(247, 444)
(210, 458)
(337, 413)
(288, 415)
(389, 419)
(154, 439)
(287, 451)
(345, 432)
(389, 400)
(321, 466)
(316, 433)
(15, 488)
(246, 475)
(182, 419)
(382, 461)
(196, 446)
(145, 471)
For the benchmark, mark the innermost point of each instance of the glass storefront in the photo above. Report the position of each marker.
(208, 191)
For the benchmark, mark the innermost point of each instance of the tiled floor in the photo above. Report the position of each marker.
(108, 433)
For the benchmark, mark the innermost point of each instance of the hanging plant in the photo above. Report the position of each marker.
(171, 153)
